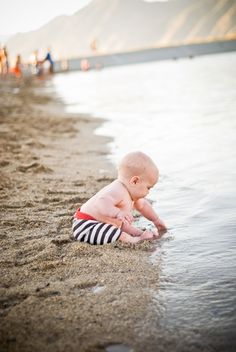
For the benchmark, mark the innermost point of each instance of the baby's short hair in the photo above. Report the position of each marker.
(135, 164)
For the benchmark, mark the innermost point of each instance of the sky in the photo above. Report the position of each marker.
(27, 15)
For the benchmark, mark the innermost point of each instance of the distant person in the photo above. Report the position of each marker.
(36, 64)
(4, 64)
(49, 59)
(84, 65)
(94, 45)
(107, 217)
(94, 48)
(17, 68)
(1, 59)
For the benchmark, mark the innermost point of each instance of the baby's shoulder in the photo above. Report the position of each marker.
(114, 187)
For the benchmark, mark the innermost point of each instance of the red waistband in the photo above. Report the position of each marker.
(83, 216)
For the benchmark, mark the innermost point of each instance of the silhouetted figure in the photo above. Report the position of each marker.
(94, 48)
(1, 60)
(17, 68)
(4, 64)
(84, 65)
(6, 68)
(50, 61)
(94, 45)
(36, 64)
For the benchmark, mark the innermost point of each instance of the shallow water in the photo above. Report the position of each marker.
(183, 114)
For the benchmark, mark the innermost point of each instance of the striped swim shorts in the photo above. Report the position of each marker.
(93, 231)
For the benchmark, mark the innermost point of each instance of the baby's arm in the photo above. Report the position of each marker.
(111, 202)
(106, 206)
(145, 208)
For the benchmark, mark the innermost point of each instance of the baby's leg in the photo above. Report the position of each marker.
(125, 237)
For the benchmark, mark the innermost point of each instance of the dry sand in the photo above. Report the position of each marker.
(57, 294)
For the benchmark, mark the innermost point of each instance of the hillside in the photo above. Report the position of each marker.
(124, 25)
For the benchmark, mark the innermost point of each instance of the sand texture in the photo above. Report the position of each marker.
(57, 294)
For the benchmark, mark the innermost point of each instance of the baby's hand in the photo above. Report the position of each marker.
(155, 233)
(160, 225)
(125, 216)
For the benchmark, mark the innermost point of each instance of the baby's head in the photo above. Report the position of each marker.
(139, 173)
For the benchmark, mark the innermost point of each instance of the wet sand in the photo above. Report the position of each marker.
(57, 294)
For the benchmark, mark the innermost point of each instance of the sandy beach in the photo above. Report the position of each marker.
(57, 294)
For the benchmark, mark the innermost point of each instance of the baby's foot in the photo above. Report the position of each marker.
(146, 235)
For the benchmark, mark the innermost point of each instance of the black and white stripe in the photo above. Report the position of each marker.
(95, 232)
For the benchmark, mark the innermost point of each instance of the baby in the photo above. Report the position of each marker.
(106, 217)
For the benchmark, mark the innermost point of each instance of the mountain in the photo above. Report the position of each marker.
(127, 25)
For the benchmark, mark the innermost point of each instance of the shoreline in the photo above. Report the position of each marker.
(144, 55)
(58, 294)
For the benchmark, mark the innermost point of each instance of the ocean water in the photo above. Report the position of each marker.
(183, 114)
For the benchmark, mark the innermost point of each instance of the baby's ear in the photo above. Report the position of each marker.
(134, 180)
